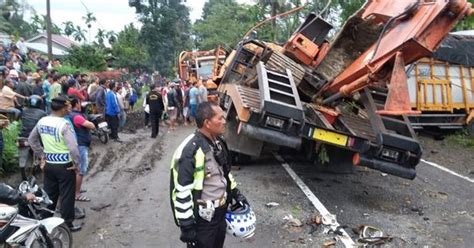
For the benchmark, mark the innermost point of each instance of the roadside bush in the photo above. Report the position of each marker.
(68, 69)
(10, 150)
(30, 66)
(463, 138)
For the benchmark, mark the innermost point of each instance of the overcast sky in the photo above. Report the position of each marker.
(110, 14)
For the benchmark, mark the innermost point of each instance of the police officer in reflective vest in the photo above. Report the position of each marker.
(59, 157)
(201, 183)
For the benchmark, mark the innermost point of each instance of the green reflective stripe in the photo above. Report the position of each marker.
(233, 183)
(200, 160)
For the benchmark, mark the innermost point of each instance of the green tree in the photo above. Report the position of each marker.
(128, 50)
(12, 19)
(100, 36)
(111, 36)
(165, 31)
(88, 57)
(224, 23)
(89, 18)
(79, 34)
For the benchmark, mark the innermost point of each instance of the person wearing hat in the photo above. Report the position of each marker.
(8, 98)
(54, 142)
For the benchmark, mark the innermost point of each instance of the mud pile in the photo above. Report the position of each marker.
(135, 120)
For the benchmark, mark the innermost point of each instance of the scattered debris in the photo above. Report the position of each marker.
(371, 235)
(434, 151)
(272, 204)
(292, 221)
(383, 174)
(315, 219)
(426, 218)
(101, 206)
(462, 212)
(415, 209)
(329, 243)
(365, 214)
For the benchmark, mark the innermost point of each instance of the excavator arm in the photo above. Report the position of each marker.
(412, 29)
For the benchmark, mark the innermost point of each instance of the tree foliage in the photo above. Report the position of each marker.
(88, 57)
(12, 20)
(165, 31)
(224, 23)
(128, 50)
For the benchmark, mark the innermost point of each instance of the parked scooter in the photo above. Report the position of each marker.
(101, 127)
(28, 226)
(28, 164)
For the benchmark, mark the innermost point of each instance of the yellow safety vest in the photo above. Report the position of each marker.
(55, 149)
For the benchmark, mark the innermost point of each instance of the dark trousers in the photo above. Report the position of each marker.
(113, 122)
(211, 234)
(59, 182)
(147, 118)
(155, 123)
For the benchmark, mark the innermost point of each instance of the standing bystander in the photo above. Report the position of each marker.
(155, 101)
(52, 139)
(112, 111)
(82, 128)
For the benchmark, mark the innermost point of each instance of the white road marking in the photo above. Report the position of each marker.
(328, 218)
(447, 170)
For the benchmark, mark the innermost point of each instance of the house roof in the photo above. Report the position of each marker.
(43, 48)
(58, 39)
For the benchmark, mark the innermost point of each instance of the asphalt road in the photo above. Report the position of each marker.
(129, 187)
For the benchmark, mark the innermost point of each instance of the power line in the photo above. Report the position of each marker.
(88, 11)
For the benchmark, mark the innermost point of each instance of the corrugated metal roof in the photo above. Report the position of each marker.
(43, 48)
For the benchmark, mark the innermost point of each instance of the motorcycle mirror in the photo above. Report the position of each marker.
(32, 181)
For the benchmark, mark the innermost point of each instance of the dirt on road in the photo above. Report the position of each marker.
(129, 186)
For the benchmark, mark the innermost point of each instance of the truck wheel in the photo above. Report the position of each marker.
(240, 159)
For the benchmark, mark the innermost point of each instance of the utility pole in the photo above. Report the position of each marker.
(48, 30)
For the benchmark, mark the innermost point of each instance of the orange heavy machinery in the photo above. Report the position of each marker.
(201, 66)
(347, 98)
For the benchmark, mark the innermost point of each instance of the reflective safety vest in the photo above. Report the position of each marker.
(187, 178)
(55, 149)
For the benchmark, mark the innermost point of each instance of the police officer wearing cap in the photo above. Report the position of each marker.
(202, 186)
(53, 140)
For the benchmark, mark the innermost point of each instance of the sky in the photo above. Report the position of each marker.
(110, 14)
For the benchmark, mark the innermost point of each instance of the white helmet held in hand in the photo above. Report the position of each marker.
(241, 222)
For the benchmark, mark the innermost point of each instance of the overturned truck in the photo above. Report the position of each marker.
(347, 98)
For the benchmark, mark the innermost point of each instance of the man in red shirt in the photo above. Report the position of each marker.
(82, 128)
(74, 91)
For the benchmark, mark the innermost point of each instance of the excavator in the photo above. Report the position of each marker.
(341, 101)
(195, 66)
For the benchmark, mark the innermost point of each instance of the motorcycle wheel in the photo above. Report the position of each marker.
(61, 237)
(103, 136)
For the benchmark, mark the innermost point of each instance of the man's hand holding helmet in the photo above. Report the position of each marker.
(239, 198)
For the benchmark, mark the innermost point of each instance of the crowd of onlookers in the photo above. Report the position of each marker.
(180, 99)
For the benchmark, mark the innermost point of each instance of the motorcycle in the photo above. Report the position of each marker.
(28, 163)
(27, 225)
(101, 127)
